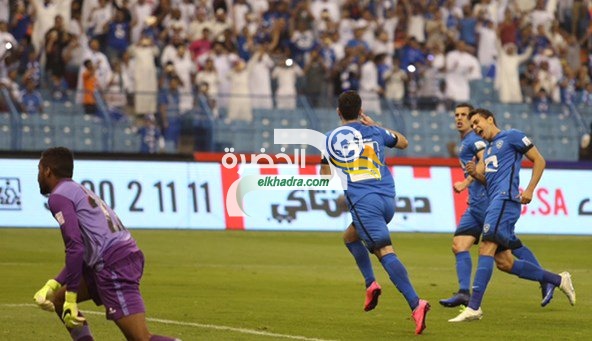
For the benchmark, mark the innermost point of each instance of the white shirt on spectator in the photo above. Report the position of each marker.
(487, 38)
(258, 6)
(185, 69)
(99, 17)
(416, 27)
(4, 10)
(195, 30)
(541, 17)
(317, 7)
(260, 80)
(286, 92)
(369, 87)
(187, 12)
(238, 14)
(459, 69)
(139, 14)
(346, 32)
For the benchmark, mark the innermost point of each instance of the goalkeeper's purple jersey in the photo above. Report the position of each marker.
(93, 234)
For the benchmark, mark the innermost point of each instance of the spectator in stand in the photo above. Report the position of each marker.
(527, 81)
(541, 102)
(118, 35)
(89, 86)
(507, 73)
(541, 16)
(73, 57)
(487, 38)
(220, 23)
(98, 21)
(370, 90)
(20, 24)
(56, 41)
(100, 63)
(548, 82)
(541, 40)
(508, 29)
(207, 84)
(286, 75)
(58, 88)
(411, 54)
(395, 82)
(115, 96)
(150, 135)
(223, 62)
(200, 46)
(45, 13)
(168, 108)
(144, 75)
(259, 67)
(316, 74)
(31, 100)
(583, 78)
(572, 52)
(33, 69)
(461, 67)
(10, 83)
(467, 27)
(140, 11)
(239, 104)
(567, 86)
(197, 25)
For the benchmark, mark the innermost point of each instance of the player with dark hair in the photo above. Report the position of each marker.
(356, 148)
(471, 223)
(500, 168)
(103, 262)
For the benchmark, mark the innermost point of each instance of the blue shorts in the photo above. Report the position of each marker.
(500, 221)
(471, 222)
(370, 216)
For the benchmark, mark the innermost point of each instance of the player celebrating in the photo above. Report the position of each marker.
(500, 168)
(357, 149)
(103, 262)
(471, 224)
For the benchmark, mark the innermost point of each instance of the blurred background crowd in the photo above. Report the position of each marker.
(153, 60)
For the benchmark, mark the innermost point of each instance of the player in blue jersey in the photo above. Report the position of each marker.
(103, 262)
(500, 168)
(471, 223)
(357, 149)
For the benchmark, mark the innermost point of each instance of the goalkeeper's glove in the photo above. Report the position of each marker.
(70, 312)
(44, 296)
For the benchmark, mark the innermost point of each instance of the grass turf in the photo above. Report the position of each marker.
(297, 285)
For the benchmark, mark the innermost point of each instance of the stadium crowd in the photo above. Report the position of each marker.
(155, 59)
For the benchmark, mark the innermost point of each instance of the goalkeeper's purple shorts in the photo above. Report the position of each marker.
(117, 286)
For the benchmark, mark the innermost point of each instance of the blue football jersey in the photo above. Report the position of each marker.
(358, 151)
(469, 146)
(503, 158)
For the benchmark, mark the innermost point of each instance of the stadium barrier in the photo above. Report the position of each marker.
(192, 195)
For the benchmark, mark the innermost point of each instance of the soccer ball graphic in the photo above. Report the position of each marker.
(346, 144)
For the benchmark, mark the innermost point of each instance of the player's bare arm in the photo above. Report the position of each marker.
(402, 142)
(537, 172)
(325, 170)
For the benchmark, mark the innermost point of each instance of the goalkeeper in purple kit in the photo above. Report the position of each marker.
(103, 262)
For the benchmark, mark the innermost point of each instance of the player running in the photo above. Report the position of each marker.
(357, 149)
(500, 168)
(471, 223)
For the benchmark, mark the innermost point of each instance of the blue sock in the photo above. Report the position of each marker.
(463, 270)
(524, 253)
(527, 270)
(482, 277)
(398, 275)
(360, 253)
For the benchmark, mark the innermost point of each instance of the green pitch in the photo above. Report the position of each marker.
(236, 285)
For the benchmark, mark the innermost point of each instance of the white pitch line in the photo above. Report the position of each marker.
(192, 324)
